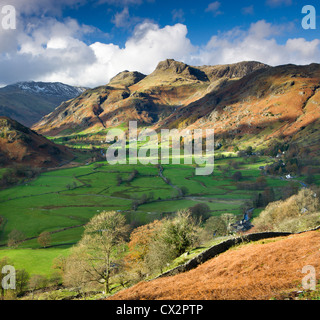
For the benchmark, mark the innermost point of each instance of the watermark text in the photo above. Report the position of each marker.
(309, 281)
(8, 275)
(8, 17)
(162, 148)
(309, 20)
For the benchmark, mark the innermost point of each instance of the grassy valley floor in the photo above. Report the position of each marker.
(62, 201)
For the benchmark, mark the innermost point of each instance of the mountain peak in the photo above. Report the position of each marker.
(127, 78)
(48, 88)
(172, 65)
(180, 69)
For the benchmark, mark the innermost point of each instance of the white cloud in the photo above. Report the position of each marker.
(178, 15)
(215, 8)
(259, 44)
(51, 50)
(148, 45)
(122, 19)
(300, 47)
(43, 48)
(263, 29)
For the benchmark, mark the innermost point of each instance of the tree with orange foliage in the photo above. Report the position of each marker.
(44, 239)
(139, 244)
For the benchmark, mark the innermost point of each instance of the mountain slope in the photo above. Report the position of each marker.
(256, 271)
(246, 103)
(147, 99)
(28, 102)
(281, 102)
(19, 144)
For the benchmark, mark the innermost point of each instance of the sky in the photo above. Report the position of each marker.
(86, 42)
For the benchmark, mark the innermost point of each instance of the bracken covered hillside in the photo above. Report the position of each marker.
(260, 270)
(19, 144)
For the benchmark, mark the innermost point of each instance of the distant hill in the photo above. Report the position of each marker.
(247, 103)
(28, 102)
(21, 145)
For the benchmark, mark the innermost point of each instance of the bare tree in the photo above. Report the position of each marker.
(37, 282)
(15, 237)
(101, 246)
(75, 268)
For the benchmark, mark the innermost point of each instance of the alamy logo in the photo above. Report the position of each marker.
(8, 17)
(309, 21)
(309, 281)
(194, 143)
(8, 278)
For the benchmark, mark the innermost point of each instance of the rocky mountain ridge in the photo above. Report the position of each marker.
(247, 102)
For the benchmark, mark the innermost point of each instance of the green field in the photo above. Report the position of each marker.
(63, 201)
(34, 261)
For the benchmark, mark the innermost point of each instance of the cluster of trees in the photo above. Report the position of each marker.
(297, 213)
(217, 226)
(259, 184)
(277, 147)
(17, 174)
(108, 255)
(16, 237)
(244, 153)
(291, 166)
(262, 199)
(291, 157)
(232, 165)
(268, 195)
(101, 257)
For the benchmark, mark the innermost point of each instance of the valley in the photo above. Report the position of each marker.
(63, 201)
(55, 179)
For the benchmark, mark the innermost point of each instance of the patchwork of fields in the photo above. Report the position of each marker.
(63, 201)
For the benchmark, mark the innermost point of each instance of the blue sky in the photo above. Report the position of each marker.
(86, 42)
(203, 18)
